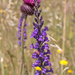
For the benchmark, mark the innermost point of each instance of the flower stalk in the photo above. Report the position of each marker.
(42, 55)
(64, 33)
(22, 41)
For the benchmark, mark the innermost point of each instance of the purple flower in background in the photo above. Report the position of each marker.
(30, 2)
(27, 7)
(19, 30)
(42, 55)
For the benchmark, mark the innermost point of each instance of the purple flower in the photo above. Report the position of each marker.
(46, 58)
(48, 52)
(35, 55)
(46, 46)
(44, 70)
(34, 33)
(47, 63)
(37, 73)
(40, 38)
(51, 70)
(46, 39)
(48, 74)
(43, 55)
(35, 64)
(19, 30)
(44, 33)
(31, 2)
(31, 46)
(46, 28)
(36, 46)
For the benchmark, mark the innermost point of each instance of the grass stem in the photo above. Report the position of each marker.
(64, 33)
(22, 47)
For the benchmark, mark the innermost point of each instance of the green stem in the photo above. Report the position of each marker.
(22, 41)
(64, 31)
(2, 68)
(11, 58)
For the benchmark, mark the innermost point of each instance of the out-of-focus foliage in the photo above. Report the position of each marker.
(53, 15)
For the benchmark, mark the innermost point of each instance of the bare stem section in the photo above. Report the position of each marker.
(64, 28)
(22, 45)
(64, 33)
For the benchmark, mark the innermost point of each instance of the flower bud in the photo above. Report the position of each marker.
(27, 9)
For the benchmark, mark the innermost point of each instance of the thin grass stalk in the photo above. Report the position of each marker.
(11, 58)
(2, 68)
(74, 34)
(64, 33)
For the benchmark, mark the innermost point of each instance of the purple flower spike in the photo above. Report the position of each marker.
(19, 30)
(42, 55)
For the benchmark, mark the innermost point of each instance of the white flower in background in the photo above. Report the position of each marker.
(2, 59)
(0, 38)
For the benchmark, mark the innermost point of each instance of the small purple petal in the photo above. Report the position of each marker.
(35, 55)
(31, 46)
(41, 38)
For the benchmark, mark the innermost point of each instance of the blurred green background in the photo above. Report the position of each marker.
(53, 16)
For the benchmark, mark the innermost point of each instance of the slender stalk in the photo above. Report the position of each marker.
(64, 32)
(14, 70)
(74, 34)
(2, 68)
(22, 46)
(64, 28)
(22, 41)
